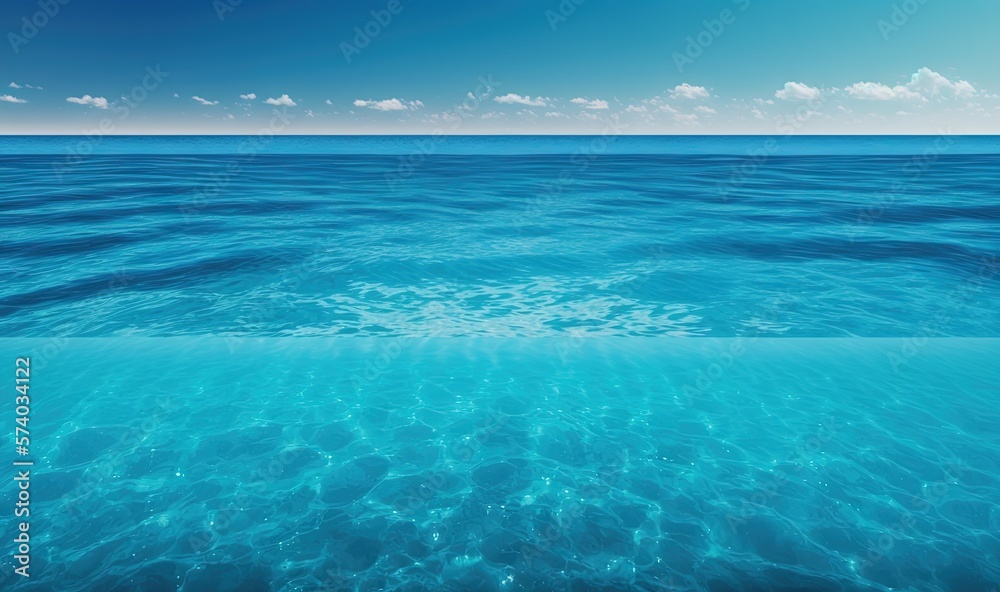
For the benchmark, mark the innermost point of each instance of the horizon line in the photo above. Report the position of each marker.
(488, 135)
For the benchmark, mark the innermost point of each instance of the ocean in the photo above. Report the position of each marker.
(502, 363)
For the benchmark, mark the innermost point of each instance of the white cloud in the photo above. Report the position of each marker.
(796, 91)
(389, 104)
(282, 101)
(98, 102)
(655, 104)
(204, 101)
(929, 82)
(511, 98)
(757, 114)
(176, 96)
(329, 102)
(249, 96)
(446, 116)
(595, 104)
(686, 91)
(875, 91)
(635, 109)
(556, 114)
(10, 99)
(14, 85)
(686, 118)
(704, 109)
(923, 84)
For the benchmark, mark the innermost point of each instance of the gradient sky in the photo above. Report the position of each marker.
(511, 66)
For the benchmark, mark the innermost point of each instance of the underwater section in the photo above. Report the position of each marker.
(213, 464)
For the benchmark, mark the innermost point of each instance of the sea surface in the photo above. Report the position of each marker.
(586, 363)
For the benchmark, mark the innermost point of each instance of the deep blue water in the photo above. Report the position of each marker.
(610, 142)
(518, 363)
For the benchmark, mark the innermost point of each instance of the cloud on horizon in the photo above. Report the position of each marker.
(876, 91)
(388, 104)
(282, 101)
(928, 97)
(686, 91)
(797, 91)
(929, 82)
(595, 104)
(97, 102)
(924, 84)
(515, 99)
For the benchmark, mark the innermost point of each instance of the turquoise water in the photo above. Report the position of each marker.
(684, 365)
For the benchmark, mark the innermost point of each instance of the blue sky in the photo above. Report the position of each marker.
(516, 66)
